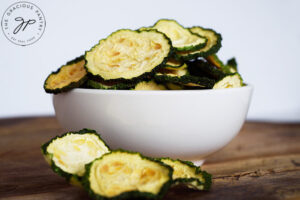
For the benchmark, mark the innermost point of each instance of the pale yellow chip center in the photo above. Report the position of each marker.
(122, 172)
(233, 81)
(127, 54)
(73, 151)
(67, 74)
(179, 36)
(151, 85)
(182, 170)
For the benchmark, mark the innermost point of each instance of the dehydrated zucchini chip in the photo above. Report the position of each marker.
(230, 81)
(174, 64)
(187, 173)
(186, 80)
(201, 67)
(173, 86)
(128, 55)
(69, 76)
(212, 46)
(181, 71)
(149, 85)
(127, 175)
(214, 59)
(67, 154)
(109, 85)
(182, 39)
(232, 65)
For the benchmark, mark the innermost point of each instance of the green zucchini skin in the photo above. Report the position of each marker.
(186, 181)
(231, 63)
(71, 85)
(57, 169)
(203, 68)
(179, 49)
(75, 60)
(100, 85)
(131, 194)
(213, 50)
(205, 82)
(135, 79)
(179, 65)
(207, 177)
(216, 61)
(217, 46)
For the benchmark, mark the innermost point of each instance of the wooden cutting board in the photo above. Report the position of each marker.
(262, 162)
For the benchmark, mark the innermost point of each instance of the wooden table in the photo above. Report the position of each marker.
(262, 162)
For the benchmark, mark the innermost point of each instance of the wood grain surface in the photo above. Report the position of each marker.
(262, 162)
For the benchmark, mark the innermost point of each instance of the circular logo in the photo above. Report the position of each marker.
(23, 23)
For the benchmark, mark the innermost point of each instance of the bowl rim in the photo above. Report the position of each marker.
(159, 92)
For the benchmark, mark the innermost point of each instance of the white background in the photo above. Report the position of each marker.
(264, 36)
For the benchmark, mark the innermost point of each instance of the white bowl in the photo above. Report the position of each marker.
(185, 124)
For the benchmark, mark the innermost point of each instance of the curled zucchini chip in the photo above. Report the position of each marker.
(166, 74)
(109, 85)
(212, 46)
(186, 80)
(232, 65)
(187, 173)
(229, 81)
(214, 60)
(182, 39)
(67, 154)
(128, 55)
(67, 77)
(174, 64)
(127, 175)
(174, 71)
(149, 85)
(203, 68)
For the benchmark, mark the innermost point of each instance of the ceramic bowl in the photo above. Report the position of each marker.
(185, 124)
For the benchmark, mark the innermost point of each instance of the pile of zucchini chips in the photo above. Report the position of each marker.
(165, 56)
(85, 160)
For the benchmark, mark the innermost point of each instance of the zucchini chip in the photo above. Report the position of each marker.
(186, 80)
(128, 55)
(201, 67)
(174, 64)
(214, 60)
(109, 85)
(187, 173)
(172, 86)
(212, 46)
(181, 71)
(230, 81)
(232, 64)
(149, 85)
(182, 39)
(127, 175)
(67, 154)
(67, 77)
